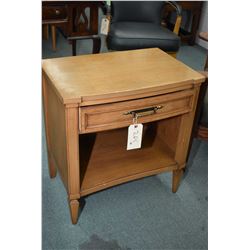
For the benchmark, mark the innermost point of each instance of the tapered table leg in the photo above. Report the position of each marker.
(52, 168)
(74, 208)
(176, 178)
(72, 144)
(53, 33)
(45, 31)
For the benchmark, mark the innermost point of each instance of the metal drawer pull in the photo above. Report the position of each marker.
(57, 12)
(143, 112)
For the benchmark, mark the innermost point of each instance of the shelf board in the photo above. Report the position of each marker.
(109, 163)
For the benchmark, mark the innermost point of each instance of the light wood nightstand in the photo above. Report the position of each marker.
(88, 102)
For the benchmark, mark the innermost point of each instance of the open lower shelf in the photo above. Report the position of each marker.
(105, 162)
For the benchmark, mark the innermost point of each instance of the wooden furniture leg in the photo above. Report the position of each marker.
(96, 45)
(73, 42)
(74, 210)
(53, 33)
(72, 144)
(176, 178)
(52, 168)
(45, 31)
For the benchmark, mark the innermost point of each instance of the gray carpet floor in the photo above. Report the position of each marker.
(142, 214)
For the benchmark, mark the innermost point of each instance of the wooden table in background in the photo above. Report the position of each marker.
(72, 20)
(88, 111)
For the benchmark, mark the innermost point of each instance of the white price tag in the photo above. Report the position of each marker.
(105, 26)
(134, 136)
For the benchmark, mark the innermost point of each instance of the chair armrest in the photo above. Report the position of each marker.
(176, 6)
(178, 10)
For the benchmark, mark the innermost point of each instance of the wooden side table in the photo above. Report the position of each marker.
(89, 102)
(54, 14)
(71, 18)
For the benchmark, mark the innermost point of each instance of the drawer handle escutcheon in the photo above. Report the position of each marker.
(143, 112)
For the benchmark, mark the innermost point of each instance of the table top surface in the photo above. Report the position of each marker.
(85, 78)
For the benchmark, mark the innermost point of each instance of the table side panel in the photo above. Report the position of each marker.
(55, 129)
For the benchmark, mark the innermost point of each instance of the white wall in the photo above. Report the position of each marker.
(203, 25)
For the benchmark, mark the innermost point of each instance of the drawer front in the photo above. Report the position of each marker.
(54, 12)
(117, 115)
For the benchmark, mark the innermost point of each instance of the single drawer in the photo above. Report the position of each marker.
(54, 12)
(116, 115)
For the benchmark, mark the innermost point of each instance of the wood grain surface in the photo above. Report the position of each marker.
(92, 78)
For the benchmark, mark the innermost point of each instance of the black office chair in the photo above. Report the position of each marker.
(137, 24)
